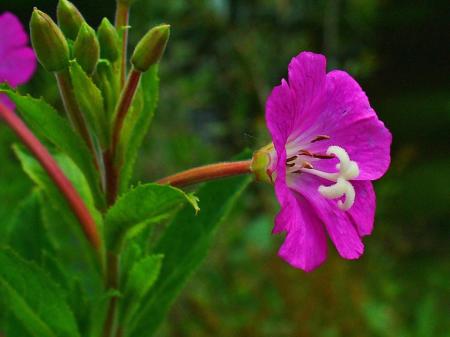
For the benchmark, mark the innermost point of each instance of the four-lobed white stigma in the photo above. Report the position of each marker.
(347, 170)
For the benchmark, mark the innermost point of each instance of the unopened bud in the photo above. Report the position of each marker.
(151, 48)
(86, 48)
(109, 41)
(48, 42)
(69, 19)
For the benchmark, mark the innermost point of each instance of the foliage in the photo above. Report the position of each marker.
(222, 59)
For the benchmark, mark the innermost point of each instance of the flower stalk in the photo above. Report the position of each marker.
(125, 100)
(208, 172)
(122, 15)
(73, 111)
(77, 205)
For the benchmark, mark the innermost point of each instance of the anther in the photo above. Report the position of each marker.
(290, 164)
(307, 165)
(319, 138)
(323, 156)
(291, 159)
(305, 153)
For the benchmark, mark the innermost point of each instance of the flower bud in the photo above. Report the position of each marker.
(86, 48)
(151, 48)
(69, 19)
(109, 41)
(48, 42)
(261, 164)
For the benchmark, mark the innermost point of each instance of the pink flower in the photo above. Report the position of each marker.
(17, 60)
(328, 144)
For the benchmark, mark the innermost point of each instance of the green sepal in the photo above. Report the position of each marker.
(48, 42)
(150, 48)
(69, 19)
(109, 41)
(86, 49)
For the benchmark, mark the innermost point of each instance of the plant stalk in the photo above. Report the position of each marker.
(77, 205)
(73, 111)
(112, 282)
(125, 100)
(207, 172)
(122, 15)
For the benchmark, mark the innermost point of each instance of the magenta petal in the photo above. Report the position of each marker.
(17, 66)
(307, 74)
(339, 225)
(363, 210)
(352, 124)
(279, 114)
(305, 246)
(12, 33)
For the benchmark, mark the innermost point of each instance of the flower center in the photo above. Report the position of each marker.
(346, 170)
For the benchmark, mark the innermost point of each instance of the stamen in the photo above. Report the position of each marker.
(315, 155)
(347, 170)
(323, 156)
(290, 164)
(319, 138)
(291, 159)
(307, 165)
(305, 153)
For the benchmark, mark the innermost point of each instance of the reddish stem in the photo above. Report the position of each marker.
(207, 172)
(62, 182)
(111, 177)
(71, 106)
(123, 106)
(122, 15)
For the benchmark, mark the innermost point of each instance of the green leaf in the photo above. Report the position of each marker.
(14, 184)
(184, 244)
(90, 99)
(142, 205)
(35, 171)
(34, 298)
(140, 279)
(107, 82)
(47, 124)
(66, 237)
(137, 123)
(26, 234)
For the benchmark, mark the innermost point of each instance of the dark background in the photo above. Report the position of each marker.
(223, 58)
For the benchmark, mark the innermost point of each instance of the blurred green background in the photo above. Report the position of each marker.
(223, 58)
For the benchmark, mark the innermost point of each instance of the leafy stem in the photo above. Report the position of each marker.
(77, 204)
(207, 172)
(109, 157)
